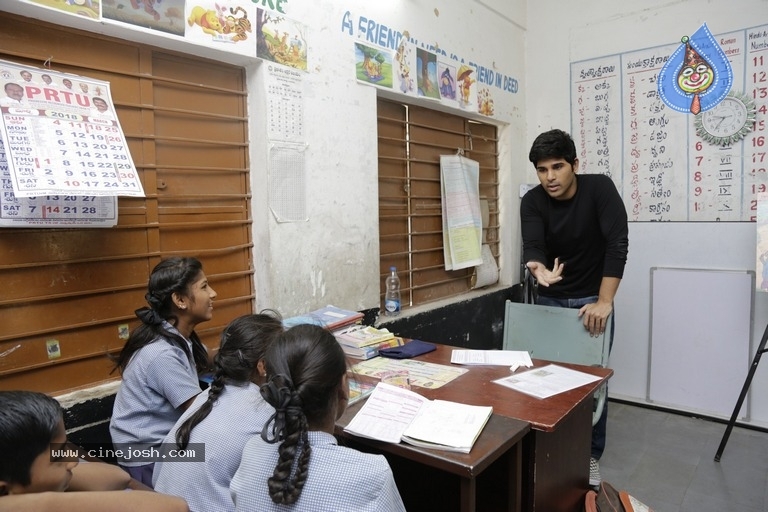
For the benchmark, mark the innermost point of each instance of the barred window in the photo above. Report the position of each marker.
(410, 142)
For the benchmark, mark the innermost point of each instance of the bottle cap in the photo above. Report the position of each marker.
(392, 269)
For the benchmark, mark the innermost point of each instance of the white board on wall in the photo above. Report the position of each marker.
(701, 327)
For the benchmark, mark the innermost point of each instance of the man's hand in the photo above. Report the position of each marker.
(596, 317)
(543, 275)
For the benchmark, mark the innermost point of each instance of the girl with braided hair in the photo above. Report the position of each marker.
(223, 419)
(161, 361)
(296, 463)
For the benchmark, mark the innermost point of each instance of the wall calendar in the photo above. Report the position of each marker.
(64, 158)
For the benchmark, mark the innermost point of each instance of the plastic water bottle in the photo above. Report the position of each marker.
(392, 295)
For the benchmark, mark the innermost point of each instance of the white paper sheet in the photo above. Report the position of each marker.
(547, 381)
(492, 357)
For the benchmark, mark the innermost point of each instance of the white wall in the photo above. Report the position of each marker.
(334, 258)
(561, 32)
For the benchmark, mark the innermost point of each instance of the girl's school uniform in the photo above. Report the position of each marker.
(339, 479)
(238, 415)
(158, 379)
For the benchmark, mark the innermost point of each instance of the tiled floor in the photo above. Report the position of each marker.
(666, 460)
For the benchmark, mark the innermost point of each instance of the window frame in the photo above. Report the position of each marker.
(410, 141)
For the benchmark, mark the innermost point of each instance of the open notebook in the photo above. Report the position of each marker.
(394, 414)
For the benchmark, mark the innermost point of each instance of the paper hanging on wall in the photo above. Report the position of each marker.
(462, 219)
(285, 104)
(485, 215)
(487, 272)
(287, 182)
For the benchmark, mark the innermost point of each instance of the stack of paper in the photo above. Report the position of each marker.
(364, 342)
(512, 358)
(394, 414)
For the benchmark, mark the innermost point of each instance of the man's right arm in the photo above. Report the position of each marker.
(543, 275)
(533, 231)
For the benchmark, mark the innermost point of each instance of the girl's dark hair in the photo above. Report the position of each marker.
(28, 422)
(173, 275)
(243, 344)
(553, 144)
(305, 365)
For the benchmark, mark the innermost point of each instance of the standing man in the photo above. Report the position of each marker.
(575, 243)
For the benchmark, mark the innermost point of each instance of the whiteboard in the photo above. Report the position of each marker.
(701, 327)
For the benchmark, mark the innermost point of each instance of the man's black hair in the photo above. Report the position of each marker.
(553, 144)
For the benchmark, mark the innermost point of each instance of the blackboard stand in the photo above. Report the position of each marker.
(761, 349)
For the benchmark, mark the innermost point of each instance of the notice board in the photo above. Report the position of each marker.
(701, 331)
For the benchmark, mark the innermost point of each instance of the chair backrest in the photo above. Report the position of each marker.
(555, 334)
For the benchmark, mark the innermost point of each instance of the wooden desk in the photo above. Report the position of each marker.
(557, 449)
(430, 485)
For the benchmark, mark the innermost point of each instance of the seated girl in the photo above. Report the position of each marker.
(161, 360)
(223, 419)
(37, 466)
(308, 470)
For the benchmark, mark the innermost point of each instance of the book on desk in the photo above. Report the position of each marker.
(362, 335)
(369, 351)
(394, 414)
(364, 341)
(330, 317)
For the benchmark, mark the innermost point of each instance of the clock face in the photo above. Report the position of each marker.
(727, 122)
(726, 119)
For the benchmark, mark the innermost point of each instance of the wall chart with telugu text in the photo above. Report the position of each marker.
(663, 169)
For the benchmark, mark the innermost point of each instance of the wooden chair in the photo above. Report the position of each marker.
(557, 334)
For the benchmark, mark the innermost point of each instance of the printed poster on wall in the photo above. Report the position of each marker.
(405, 66)
(64, 146)
(668, 163)
(448, 71)
(418, 72)
(285, 104)
(220, 21)
(86, 8)
(281, 40)
(167, 16)
(373, 65)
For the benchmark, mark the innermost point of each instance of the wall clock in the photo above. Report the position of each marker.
(728, 121)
